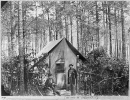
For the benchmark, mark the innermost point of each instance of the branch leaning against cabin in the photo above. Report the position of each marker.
(37, 60)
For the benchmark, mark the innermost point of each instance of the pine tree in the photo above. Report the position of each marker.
(123, 33)
(110, 36)
(97, 21)
(21, 49)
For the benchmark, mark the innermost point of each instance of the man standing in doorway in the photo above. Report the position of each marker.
(72, 79)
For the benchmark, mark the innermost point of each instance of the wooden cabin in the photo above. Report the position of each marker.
(61, 53)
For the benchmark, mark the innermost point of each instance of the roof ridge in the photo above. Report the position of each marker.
(48, 47)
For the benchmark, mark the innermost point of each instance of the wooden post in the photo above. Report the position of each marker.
(78, 75)
(49, 62)
(129, 56)
(91, 86)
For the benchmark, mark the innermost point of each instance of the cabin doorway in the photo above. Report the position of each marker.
(60, 76)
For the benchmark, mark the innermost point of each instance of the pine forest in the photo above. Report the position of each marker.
(96, 32)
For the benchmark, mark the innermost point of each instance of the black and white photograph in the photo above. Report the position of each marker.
(65, 48)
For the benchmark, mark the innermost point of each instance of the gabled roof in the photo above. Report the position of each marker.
(52, 44)
(75, 51)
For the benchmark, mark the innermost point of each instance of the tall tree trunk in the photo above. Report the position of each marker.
(123, 33)
(109, 18)
(106, 28)
(12, 29)
(117, 49)
(44, 33)
(66, 23)
(56, 37)
(129, 46)
(41, 39)
(77, 34)
(86, 48)
(9, 56)
(21, 49)
(93, 38)
(25, 47)
(97, 20)
(9, 45)
(88, 33)
(120, 53)
(61, 29)
(81, 40)
(77, 24)
(116, 40)
(24, 33)
(71, 22)
(103, 21)
(36, 34)
(92, 43)
(49, 25)
(81, 30)
(66, 28)
(12, 40)
(104, 25)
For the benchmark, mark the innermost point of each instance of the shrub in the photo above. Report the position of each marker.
(110, 75)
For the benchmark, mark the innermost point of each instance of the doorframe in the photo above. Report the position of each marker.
(64, 87)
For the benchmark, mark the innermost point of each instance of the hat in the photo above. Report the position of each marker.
(70, 64)
(46, 64)
(49, 74)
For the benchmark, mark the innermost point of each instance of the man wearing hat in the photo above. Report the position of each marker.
(72, 79)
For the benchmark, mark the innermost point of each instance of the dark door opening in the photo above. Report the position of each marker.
(60, 76)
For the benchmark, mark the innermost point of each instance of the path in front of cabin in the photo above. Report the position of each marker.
(68, 93)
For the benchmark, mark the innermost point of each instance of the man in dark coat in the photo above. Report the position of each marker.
(72, 79)
(51, 84)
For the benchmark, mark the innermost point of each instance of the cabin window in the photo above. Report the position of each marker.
(59, 68)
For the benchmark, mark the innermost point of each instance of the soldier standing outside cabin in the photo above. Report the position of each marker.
(72, 79)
